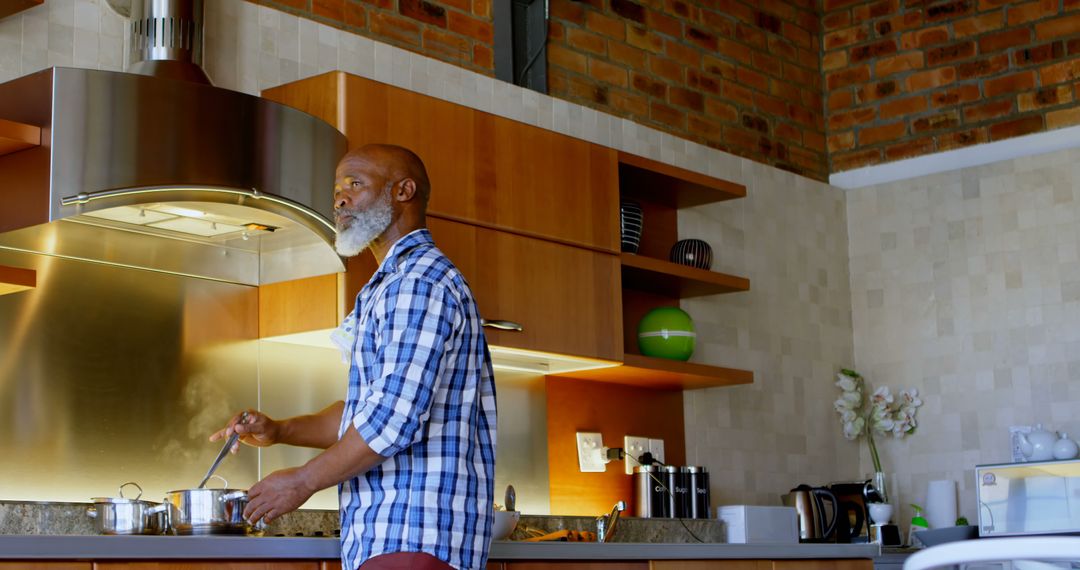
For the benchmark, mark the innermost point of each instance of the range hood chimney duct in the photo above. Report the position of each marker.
(167, 39)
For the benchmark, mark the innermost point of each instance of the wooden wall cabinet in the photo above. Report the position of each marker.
(529, 216)
(543, 210)
(485, 169)
(565, 298)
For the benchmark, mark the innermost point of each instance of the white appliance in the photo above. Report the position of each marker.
(1028, 498)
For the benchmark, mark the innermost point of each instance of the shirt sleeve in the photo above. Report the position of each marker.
(415, 324)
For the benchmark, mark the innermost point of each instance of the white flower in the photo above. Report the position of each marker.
(882, 396)
(901, 427)
(848, 416)
(910, 398)
(854, 429)
(842, 405)
(853, 398)
(845, 382)
(884, 425)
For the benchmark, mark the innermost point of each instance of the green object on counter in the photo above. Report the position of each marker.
(667, 332)
(962, 521)
(918, 519)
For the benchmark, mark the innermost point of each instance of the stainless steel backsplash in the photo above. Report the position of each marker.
(109, 375)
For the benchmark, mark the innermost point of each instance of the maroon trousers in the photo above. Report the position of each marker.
(405, 561)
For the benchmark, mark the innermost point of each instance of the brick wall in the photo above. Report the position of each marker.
(726, 73)
(912, 77)
(456, 31)
(743, 77)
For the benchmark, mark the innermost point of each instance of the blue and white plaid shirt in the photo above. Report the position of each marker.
(422, 393)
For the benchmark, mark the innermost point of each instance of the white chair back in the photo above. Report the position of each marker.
(1029, 552)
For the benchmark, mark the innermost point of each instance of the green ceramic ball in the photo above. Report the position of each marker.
(667, 332)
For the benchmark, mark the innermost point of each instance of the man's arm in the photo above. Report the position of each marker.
(318, 430)
(417, 321)
(284, 491)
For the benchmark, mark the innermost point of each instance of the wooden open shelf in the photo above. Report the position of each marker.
(674, 280)
(16, 279)
(674, 187)
(660, 373)
(17, 136)
(649, 280)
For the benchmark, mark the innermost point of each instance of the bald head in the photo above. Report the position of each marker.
(395, 163)
(380, 194)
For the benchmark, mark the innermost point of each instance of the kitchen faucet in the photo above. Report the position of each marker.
(605, 524)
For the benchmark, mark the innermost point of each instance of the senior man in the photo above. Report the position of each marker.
(412, 446)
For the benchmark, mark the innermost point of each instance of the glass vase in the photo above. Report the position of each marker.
(879, 481)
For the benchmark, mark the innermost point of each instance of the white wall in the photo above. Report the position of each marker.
(966, 285)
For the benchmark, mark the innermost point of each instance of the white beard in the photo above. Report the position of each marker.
(364, 228)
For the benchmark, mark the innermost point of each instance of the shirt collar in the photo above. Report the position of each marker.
(402, 247)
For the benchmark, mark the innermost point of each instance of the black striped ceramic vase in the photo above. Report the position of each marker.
(630, 223)
(692, 252)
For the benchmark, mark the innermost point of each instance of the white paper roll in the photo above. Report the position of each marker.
(941, 503)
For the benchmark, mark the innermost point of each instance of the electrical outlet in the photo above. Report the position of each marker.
(656, 448)
(590, 452)
(634, 447)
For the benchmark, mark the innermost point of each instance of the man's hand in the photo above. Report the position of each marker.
(279, 493)
(258, 430)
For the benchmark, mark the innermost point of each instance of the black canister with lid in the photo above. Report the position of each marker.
(672, 499)
(698, 486)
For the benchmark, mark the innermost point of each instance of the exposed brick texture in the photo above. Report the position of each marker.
(811, 86)
(739, 75)
(963, 72)
(460, 32)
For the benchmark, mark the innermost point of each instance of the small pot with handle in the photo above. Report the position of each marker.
(127, 516)
(207, 511)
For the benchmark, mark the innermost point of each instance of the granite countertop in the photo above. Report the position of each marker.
(59, 531)
(67, 547)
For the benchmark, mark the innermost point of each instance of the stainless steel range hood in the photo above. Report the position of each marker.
(166, 174)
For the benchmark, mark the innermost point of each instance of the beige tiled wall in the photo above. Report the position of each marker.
(966, 285)
(793, 329)
(788, 236)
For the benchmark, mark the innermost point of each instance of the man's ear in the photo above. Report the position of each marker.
(405, 190)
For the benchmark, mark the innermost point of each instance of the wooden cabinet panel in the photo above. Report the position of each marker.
(710, 565)
(577, 565)
(206, 565)
(27, 565)
(838, 564)
(566, 298)
(313, 303)
(491, 170)
(330, 565)
(298, 306)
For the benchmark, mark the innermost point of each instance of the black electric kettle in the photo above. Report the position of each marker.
(815, 523)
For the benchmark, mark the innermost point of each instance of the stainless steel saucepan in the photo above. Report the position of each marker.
(128, 516)
(207, 511)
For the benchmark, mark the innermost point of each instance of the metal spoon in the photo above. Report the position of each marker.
(510, 499)
(224, 451)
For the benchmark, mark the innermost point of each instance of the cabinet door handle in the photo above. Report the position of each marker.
(501, 325)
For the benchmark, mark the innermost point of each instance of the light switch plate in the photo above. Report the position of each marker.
(633, 447)
(656, 448)
(590, 452)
